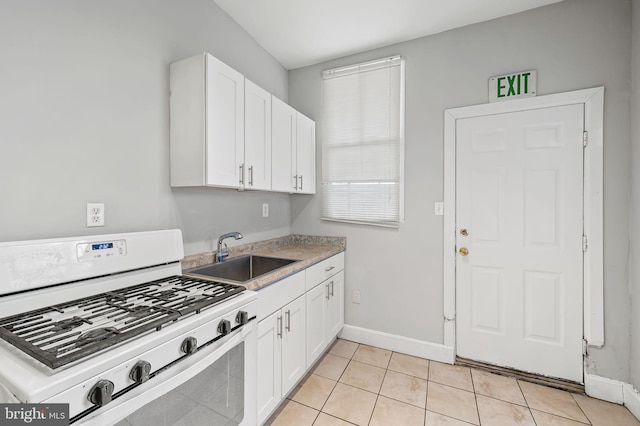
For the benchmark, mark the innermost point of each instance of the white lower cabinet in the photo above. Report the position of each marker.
(269, 365)
(335, 306)
(281, 355)
(294, 363)
(316, 323)
(281, 341)
(325, 315)
(299, 317)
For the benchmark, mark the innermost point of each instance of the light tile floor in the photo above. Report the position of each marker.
(363, 385)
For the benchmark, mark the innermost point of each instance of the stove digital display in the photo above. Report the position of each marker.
(101, 246)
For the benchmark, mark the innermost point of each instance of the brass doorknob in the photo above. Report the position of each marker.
(463, 251)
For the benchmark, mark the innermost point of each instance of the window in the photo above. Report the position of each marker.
(363, 143)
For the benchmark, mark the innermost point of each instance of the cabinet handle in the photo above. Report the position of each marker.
(288, 320)
(295, 185)
(279, 331)
(331, 288)
(241, 174)
(251, 176)
(300, 182)
(327, 296)
(329, 269)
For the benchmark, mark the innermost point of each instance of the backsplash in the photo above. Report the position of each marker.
(199, 259)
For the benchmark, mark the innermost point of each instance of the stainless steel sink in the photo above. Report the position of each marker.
(243, 268)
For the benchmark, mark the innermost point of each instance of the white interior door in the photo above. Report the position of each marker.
(519, 196)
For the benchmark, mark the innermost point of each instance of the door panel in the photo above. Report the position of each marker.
(294, 354)
(282, 143)
(257, 137)
(225, 124)
(269, 386)
(519, 180)
(487, 300)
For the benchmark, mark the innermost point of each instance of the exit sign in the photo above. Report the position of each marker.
(512, 86)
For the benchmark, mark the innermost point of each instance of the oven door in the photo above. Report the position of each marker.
(214, 386)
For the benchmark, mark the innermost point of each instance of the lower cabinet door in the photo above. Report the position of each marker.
(335, 307)
(269, 365)
(317, 299)
(294, 364)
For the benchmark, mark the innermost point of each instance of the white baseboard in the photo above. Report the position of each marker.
(393, 342)
(632, 399)
(613, 391)
(603, 388)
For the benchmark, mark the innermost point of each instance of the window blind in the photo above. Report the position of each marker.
(363, 143)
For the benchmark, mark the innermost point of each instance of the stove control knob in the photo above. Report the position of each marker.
(224, 327)
(189, 345)
(100, 393)
(242, 317)
(140, 372)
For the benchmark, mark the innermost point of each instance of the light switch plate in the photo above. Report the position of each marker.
(438, 208)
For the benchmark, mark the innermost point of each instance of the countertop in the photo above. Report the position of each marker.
(308, 250)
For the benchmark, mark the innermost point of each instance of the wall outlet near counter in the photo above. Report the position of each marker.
(355, 297)
(265, 210)
(95, 214)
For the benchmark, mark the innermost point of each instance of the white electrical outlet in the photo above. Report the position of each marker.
(355, 297)
(95, 214)
(438, 208)
(265, 210)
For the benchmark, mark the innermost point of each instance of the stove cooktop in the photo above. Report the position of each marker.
(63, 333)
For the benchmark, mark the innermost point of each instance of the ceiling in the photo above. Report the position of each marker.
(305, 32)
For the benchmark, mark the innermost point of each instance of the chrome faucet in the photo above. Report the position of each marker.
(222, 253)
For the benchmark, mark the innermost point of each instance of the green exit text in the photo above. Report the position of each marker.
(511, 86)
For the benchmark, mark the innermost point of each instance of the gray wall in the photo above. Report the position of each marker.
(84, 118)
(634, 258)
(574, 44)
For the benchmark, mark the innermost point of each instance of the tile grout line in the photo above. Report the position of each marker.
(475, 397)
(580, 407)
(527, 402)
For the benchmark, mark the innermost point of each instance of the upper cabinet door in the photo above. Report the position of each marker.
(224, 125)
(187, 121)
(283, 132)
(257, 137)
(305, 154)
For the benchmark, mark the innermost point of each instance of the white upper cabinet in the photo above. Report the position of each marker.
(257, 137)
(206, 123)
(228, 132)
(283, 144)
(293, 148)
(305, 165)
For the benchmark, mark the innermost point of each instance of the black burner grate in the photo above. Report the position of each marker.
(64, 333)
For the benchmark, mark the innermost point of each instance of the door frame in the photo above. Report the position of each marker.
(593, 265)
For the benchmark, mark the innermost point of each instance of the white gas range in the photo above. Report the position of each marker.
(108, 325)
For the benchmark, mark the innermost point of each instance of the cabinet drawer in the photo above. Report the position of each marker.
(278, 294)
(323, 270)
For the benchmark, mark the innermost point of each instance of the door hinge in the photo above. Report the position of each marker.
(585, 245)
(585, 347)
(585, 138)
